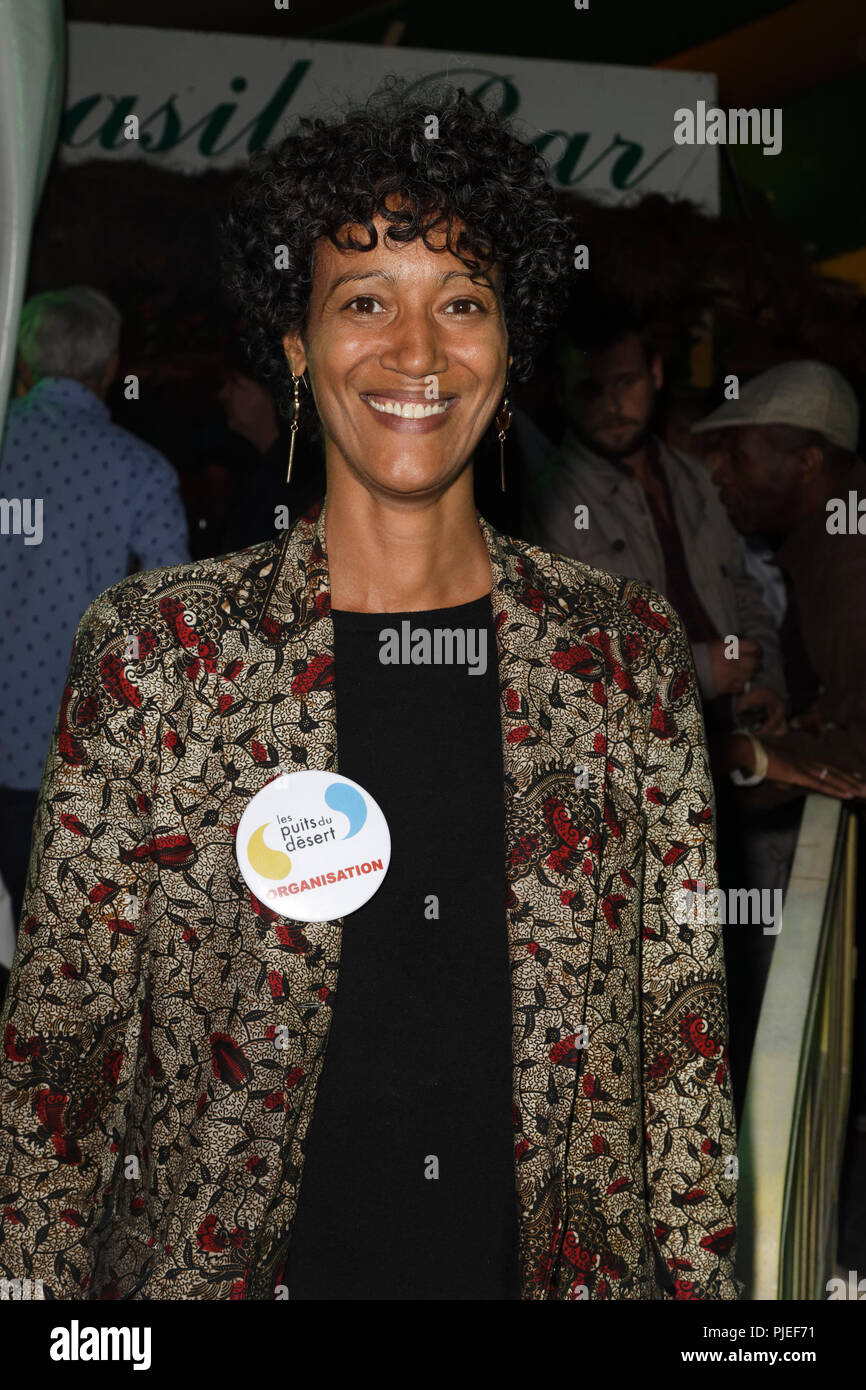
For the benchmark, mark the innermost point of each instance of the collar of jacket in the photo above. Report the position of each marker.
(672, 463)
(560, 810)
(292, 586)
(576, 451)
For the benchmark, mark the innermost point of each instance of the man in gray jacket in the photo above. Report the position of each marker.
(616, 497)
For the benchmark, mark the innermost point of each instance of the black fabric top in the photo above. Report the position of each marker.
(408, 1188)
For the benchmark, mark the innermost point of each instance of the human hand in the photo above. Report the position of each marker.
(787, 769)
(731, 674)
(762, 696)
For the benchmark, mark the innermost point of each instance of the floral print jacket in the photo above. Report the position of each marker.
(152, 1131)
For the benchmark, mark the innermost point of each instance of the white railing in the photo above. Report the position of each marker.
(792, 1131)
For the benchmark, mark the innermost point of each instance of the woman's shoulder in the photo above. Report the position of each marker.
(190, 607)
(225, 573)
(611, 597)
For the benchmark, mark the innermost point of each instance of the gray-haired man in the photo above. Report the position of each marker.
(80, 497)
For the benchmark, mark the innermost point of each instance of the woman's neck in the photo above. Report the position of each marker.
(393, 555)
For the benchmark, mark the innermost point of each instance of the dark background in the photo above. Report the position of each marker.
(782, 272)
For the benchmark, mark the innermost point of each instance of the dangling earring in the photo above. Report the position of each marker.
(296, 410)
(503, 421)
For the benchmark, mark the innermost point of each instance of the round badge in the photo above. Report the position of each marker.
(313, 846)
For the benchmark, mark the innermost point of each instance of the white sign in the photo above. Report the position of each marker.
(208, 100)
(313, 846)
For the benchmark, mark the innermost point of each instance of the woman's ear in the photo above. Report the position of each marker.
(296, 355)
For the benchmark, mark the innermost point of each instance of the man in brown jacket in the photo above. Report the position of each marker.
(783, 456)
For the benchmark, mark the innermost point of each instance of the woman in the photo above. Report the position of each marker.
(526, 1092)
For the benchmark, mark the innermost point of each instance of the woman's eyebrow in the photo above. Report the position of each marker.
(354, 275)
(358, 275)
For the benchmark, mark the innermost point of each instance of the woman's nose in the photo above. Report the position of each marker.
(414, 347)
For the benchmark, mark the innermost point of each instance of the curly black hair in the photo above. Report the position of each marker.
(489, 188)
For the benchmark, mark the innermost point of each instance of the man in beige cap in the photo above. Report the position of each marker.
(783, 457)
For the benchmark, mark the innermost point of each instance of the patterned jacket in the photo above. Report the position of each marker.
(152, 1131)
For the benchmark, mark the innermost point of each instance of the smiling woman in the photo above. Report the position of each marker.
(504, 1074)
(410, 258)
(327, 181)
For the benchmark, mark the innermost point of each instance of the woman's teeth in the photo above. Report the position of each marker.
(409, 410)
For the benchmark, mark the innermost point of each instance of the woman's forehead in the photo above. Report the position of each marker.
(428, 257)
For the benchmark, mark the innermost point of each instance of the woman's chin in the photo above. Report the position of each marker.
(410, 479)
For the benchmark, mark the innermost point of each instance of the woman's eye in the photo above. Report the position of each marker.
(364, 304)
(463, 306)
